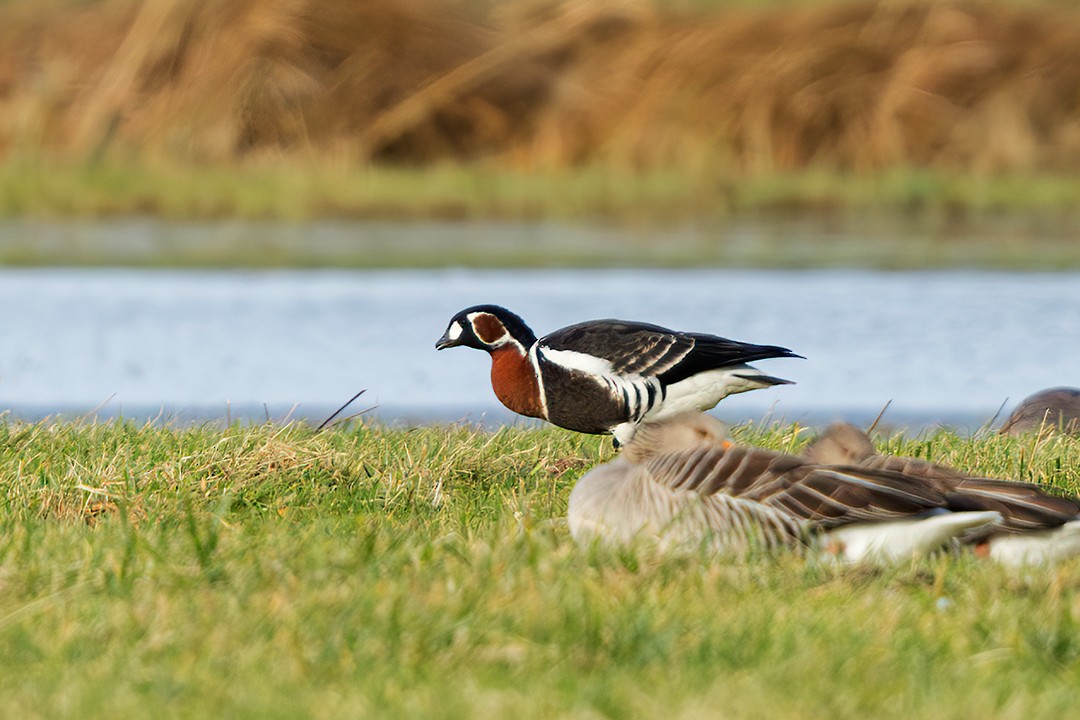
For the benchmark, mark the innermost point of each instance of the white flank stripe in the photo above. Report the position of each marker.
(535, 362)
(577, 361)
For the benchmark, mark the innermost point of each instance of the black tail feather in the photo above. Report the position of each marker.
(766, 379)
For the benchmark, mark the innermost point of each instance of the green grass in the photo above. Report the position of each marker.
(268, 571)
(293, 190)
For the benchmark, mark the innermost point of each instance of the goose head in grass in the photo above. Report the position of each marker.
(840, 444)
(683, 431)
(1053, 408)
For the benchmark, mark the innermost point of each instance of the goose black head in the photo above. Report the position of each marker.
(486, 327)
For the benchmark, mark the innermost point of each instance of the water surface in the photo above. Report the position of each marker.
(942, 346)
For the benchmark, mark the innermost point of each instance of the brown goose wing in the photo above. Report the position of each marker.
(825, 496)
(910, 466)
(1023, 506)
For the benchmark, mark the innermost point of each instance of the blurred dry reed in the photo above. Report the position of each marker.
(960, 85)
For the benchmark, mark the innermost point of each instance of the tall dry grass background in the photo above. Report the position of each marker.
(959, 85)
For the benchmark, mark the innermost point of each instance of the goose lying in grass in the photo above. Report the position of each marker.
(1053, 408)
(1036, 526)
(682, 483)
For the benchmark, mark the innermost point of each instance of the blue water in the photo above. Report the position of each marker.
(942, 346)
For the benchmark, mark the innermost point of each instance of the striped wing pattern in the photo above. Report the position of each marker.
(824, 496)
(910, 466)
(619, 502)
(1023, 506)
(630, 348)
(633, 348)
(881, 488)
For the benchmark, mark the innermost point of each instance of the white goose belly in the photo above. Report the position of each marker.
(704, 390)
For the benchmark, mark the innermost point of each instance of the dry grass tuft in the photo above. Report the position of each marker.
(956, 84)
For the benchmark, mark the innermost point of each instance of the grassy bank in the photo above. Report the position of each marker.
(292, 190)
(273, 572)
(312, 108)
(453, 215)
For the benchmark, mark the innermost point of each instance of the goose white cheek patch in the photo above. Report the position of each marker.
(454, 331)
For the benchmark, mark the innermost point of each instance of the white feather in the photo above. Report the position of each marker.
(577, 361)
(900, 540)
(534, 361)
(1037, 548)
(703, 391)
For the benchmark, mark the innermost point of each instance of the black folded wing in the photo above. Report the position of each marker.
(651, 350)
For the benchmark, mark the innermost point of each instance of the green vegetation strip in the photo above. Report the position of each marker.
(290, 190)
(270, 571)
(591, 216)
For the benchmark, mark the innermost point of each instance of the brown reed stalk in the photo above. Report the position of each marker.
(962, 85)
